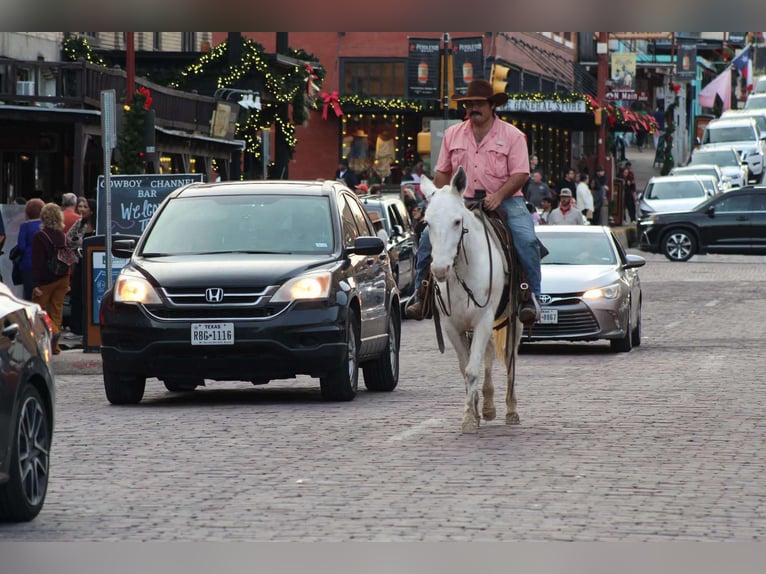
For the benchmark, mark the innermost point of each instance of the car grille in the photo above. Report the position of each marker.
(574, 319)
(237, 303)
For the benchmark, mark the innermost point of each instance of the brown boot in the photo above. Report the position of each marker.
(414, 310)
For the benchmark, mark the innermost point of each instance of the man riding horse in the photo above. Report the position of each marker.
(496, 160)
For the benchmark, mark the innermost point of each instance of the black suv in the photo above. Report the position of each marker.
(253, 280)
(401, 245)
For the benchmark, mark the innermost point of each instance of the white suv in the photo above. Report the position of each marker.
(742, 134)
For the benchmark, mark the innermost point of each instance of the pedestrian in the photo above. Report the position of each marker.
(85, 227)
(49, 289)
(585, 197)
(565, 213)
(346, 175)
(536, 189)
(497, 171)
(659, 117)
(598, 190)
(69, 210)
(629, 191)
(27, 231)
(533, 212)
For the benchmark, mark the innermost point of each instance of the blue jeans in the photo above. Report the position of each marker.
(524, 241)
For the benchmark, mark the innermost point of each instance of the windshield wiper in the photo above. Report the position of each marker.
(157, 254)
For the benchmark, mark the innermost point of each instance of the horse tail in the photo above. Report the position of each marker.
(500, 338)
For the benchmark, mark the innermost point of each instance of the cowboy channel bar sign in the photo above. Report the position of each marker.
(135, 198)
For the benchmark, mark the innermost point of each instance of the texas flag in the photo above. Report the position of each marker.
(744, 63)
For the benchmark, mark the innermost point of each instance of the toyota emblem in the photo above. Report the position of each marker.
(545, 299)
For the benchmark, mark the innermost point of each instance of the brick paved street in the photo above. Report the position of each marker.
(663, 443)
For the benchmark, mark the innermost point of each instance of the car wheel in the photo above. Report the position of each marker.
(22, 497)
(382, 374)
(123, 389)
(636, 336)
(625, 344)
(342, 382)
(679, 245)
(181, 384)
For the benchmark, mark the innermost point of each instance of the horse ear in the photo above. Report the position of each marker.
(427, 187)
(459, 180)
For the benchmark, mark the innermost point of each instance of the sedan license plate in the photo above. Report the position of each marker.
(549, 316)
(212, 334)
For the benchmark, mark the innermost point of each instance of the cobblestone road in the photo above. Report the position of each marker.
(666, 442)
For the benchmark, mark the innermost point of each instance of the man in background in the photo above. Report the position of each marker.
(68, 205)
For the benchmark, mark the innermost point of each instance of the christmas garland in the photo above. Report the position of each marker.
(76, 47)
(130, 144)
(670, 127)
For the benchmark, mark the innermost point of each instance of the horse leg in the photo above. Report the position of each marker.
(460, 344)
(511, 414)
(488, 410)
(481, 334)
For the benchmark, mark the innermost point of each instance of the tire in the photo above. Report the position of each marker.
(625, 344)
(382, 374)
(181, 384)
(123, 389)
(342, 383)
(679, 245)
(22, 497)
(636, 333)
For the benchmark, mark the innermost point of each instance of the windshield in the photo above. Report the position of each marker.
(674, 190)
(242, 223)
(729, 134)
(578, 249)
(696, 171)
(755, 103)
(722, 157)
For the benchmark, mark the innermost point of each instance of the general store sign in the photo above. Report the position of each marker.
(641, 35)
(577, 107)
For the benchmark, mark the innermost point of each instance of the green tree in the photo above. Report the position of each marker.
(130, 141)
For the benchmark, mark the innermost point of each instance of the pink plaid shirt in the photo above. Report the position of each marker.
(503, 153)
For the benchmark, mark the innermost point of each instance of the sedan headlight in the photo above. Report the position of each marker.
(130, 288)
(609, 292)
(310, 286)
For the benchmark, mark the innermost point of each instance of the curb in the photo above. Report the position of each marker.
(76, 362)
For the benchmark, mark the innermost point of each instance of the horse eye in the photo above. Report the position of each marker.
(457, 222)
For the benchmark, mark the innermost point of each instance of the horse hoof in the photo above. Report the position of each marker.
(470, 427)
(512, 419)
(489, 414)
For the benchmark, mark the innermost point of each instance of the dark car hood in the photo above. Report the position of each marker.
(233, 270)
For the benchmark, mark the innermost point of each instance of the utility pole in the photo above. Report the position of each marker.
(130, 66)
(234, 46)
(602, 49)
(445, 76)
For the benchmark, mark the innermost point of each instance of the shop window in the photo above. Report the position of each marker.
(370, 142)
(375, 78)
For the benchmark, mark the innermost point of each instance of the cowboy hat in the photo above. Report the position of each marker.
(360, 134)
(481, 90)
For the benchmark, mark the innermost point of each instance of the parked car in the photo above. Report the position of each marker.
(760, 85)
(742, 134)
(734, 223)
(705, 169)
(759, 115)
(27, 399)
(401, 245)
(590, 288)
(255, 281)
(755, 102)
(727, 159)
(672, 193)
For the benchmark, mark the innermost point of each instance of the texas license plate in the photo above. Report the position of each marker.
(549, 316)
(212, 334)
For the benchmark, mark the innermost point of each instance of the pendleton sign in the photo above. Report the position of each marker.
(577, 107)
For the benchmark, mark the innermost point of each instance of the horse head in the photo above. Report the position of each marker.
(445, 217)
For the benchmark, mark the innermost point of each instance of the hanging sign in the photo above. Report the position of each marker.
(468, 61)
(686, 62)
(623, 71)
(424, 68)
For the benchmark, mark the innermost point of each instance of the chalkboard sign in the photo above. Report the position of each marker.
(135, 198)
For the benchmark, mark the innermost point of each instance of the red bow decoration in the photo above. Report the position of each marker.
(676, 88)
(331, 99)
(593, 102)
(311, 87)
(145, 92)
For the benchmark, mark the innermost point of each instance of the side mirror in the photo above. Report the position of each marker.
(367, 246)
(710, 211)
(633, 261)
(123, 248)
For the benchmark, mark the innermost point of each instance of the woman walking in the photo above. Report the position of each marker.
(27, 231)
(49, 289)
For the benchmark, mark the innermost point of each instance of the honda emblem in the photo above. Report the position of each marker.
(214, 295)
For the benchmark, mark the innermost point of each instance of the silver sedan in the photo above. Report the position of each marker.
(590, 288)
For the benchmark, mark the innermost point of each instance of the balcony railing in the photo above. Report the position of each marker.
(78, 85)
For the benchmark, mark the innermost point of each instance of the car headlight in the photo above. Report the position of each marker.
(310, 286)
(609, 292)
(130, 288)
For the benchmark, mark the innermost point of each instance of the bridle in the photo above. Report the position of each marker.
(447, 308)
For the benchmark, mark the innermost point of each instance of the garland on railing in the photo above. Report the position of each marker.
(296, 85)
(76, 47)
